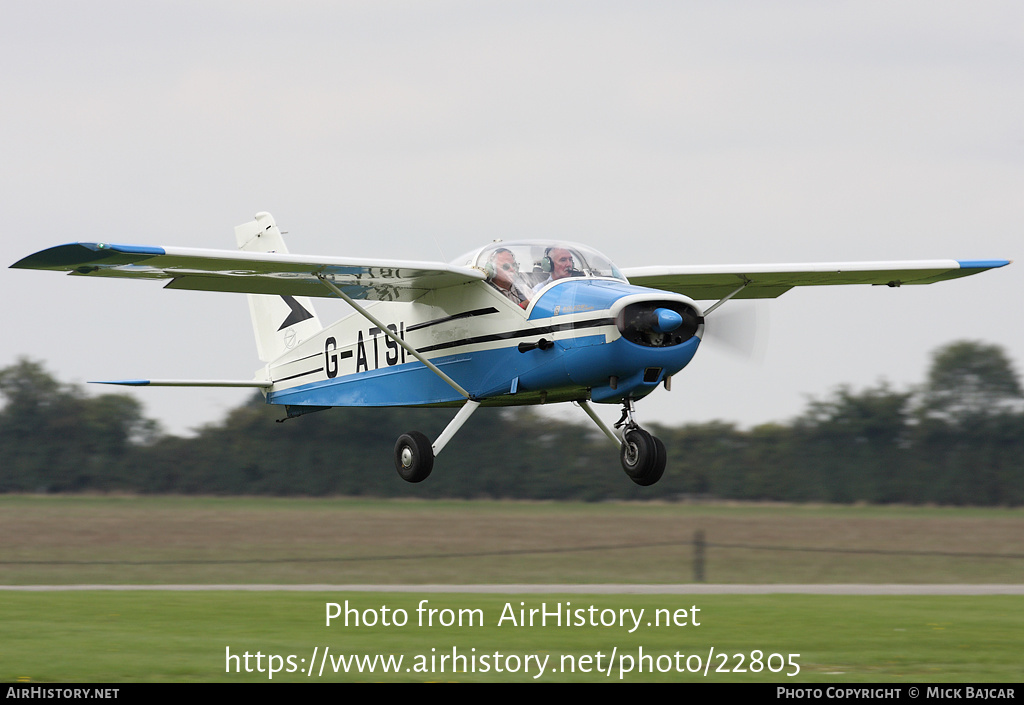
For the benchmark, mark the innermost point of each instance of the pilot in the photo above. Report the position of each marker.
(503, 273)
(557, 261)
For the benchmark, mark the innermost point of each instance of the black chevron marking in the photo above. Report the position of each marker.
(297, 315)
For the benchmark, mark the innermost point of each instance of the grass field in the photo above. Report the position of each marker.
(95, 636)
(157, 540)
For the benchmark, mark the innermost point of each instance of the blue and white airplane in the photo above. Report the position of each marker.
(511, 323)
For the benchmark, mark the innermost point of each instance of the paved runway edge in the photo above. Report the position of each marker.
(613, 589)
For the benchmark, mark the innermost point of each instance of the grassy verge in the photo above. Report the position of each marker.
(161, 636)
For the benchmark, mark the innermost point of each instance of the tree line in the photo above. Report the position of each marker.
(958, 438)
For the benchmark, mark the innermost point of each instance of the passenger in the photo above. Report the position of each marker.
(557, 261)
(503, 273)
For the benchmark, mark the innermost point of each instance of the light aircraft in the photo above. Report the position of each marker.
(512, 323)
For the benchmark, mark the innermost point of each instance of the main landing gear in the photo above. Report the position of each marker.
(643, 455)
(414, 458)
(414, 453)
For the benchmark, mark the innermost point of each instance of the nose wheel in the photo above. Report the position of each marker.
(642, 455)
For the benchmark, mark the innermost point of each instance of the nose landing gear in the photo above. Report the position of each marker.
(642, 455)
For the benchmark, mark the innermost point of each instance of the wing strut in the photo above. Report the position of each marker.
(387, 331)
(746, 282)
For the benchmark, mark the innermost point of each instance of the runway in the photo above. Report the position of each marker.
(611, 589)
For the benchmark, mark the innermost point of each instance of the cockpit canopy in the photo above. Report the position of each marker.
(537, 260)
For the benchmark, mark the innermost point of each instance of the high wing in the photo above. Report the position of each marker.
(253, 272)
(768, 281)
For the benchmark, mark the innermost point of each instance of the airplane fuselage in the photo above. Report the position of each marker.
(568, 344)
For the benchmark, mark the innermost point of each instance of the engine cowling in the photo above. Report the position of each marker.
(658, 324)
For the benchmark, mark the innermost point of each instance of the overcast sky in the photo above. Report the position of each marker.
(657, 132)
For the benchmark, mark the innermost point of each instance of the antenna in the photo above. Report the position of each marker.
(434, 237)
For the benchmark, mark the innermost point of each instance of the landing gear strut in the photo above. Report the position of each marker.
(643, 455)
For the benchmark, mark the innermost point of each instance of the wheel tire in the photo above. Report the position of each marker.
(637, 453)
(657, 469)
(414, 457)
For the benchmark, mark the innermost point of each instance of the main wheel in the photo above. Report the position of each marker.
(414, 457)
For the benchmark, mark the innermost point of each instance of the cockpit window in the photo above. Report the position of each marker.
(521, 269)
(503, 272)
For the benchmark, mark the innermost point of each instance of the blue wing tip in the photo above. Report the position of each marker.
(982, 263)
(124, 382)
(73, 254)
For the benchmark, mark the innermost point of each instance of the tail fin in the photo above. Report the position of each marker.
(280, 322)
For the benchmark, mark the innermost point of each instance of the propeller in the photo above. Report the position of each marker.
(739, 328)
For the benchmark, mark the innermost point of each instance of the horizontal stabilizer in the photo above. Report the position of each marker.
(259, 384)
